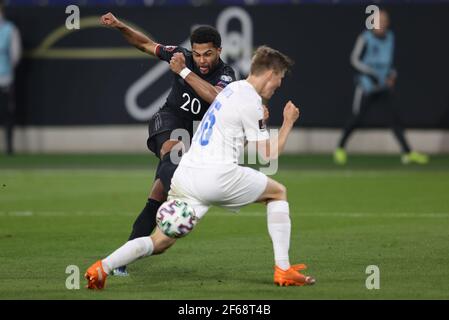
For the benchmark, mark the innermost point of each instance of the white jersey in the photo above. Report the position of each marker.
(235, 115)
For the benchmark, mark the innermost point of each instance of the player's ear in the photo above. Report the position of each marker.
(219, 51)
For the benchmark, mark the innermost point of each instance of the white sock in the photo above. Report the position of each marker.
(129, 252)
(279, 226)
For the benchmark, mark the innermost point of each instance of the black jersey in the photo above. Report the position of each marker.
(183, 100)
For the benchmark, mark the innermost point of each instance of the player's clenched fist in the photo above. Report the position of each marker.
(110, 20)
(291, 112)
(177, 62)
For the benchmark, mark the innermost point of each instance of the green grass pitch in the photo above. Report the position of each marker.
(61, 210)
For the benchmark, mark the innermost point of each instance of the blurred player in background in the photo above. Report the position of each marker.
(201, 75)
(372, 57)
(10, 53)
(209, 173)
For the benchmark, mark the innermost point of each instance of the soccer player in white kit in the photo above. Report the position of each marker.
(209, 173)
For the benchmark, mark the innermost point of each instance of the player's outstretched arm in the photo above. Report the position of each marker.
(204, 89)
(272, 148)
(134, 37)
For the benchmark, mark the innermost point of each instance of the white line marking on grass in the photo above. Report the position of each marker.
(64, 214)
(86, 172)
(261, 213)
(377, 215)
(16, 213)
(373, 173)
(344, 214)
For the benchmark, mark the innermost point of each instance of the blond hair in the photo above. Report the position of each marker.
(266, 58)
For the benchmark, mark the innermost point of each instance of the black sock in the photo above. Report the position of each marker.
(146, 221)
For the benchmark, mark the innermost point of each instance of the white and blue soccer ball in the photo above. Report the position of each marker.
(176, 218)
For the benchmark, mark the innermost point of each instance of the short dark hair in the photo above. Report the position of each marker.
(266, 58)
(206, 34)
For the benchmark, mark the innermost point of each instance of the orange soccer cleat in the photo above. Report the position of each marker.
(96, 277)
(292, 276)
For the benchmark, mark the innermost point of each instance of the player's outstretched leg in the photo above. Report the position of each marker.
(279, 228)
(131, 251)
(146, 221)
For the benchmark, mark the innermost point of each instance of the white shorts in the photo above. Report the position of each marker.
(230, 187)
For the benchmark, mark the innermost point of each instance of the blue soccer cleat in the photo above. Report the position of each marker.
(120, 272)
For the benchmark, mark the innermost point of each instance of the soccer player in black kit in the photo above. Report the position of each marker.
(200, 76)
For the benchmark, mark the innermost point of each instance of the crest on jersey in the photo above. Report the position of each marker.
(226, 78)
(222, 84)
(169, 48)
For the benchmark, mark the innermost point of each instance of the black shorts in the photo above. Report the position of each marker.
(161, 126)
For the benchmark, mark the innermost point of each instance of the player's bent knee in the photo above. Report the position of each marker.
(166, 171)
(278, 191)
(282, 192)
(157, 191)
(171, 145)
(274, 191)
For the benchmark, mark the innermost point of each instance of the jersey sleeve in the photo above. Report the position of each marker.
(166, 52)
(253, 124)
(226, 77)
(357, 55)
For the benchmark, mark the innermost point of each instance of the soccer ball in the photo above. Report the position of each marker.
(176, 218)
